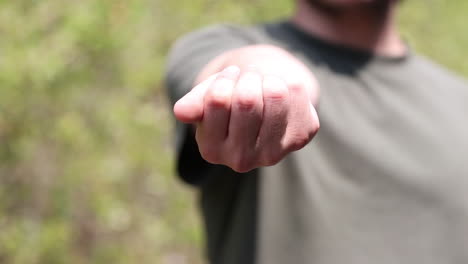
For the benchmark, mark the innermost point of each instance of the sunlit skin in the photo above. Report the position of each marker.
(253, 106)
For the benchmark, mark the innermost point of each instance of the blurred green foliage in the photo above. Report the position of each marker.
(86, 169)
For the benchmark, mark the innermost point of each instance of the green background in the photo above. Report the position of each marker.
(86, 167)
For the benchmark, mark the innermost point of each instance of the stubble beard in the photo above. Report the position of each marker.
(333, 7)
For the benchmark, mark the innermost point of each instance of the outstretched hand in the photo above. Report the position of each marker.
(247, 119)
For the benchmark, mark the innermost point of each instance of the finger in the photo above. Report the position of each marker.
(246, 116)
(212, 129)
(276, 103)
(302, 121)
(189, 109)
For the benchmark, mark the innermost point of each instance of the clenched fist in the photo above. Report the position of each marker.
(247, 119)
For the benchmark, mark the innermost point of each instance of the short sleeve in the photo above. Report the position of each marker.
(186, 59)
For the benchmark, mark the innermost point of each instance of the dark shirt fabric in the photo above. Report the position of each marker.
(384, 181)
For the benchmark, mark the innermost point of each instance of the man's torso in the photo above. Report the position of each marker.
(384, 181)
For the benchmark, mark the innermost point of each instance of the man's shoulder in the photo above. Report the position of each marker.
(436, 71)
(260, 33)
(248, 33)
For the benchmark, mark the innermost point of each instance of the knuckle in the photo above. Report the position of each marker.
(217, 100)
(239, 169)
(209, 154)
(311, 129)
(246, 102)
(272, 158)
(276, 95)
(274, 88)
(241, 164)
(300, 139)
(296, 87)
(314, 129)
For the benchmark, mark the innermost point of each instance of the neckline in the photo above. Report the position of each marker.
(343, 50)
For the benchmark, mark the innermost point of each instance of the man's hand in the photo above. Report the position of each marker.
(249, 117)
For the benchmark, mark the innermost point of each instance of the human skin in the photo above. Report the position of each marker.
(254, 105)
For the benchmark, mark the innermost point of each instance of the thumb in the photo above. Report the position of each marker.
(189, 109)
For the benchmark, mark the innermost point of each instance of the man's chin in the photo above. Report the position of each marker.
(337, 5)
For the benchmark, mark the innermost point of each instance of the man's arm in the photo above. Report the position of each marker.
(251, 107)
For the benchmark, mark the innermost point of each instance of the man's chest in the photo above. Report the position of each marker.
(408, 137)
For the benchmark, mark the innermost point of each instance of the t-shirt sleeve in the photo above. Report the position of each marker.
(186, 59)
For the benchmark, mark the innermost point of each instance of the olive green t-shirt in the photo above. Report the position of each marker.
(384, 181)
